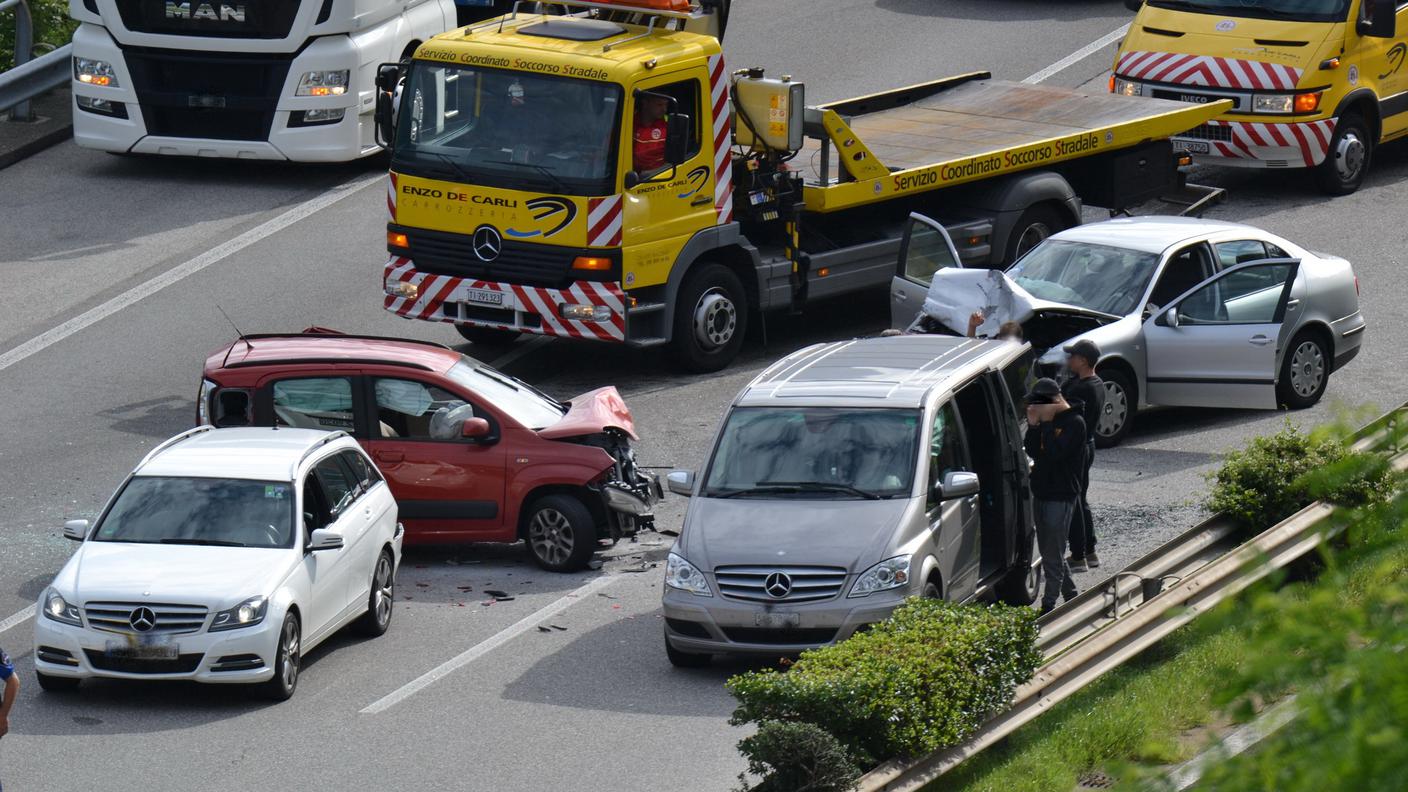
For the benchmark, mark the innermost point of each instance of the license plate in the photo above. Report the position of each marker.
(484, 297)
(145, 647)
(1191, 146)
(777, 621)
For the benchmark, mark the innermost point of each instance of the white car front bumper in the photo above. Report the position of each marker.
(243, 655)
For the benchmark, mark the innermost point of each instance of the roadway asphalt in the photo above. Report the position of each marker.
(595, 706)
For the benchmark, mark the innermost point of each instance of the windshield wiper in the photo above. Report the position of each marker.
(459, 171)
(210, 542)
(543, 169)
(765, 487)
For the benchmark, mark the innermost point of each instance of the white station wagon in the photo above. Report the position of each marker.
(224, 557)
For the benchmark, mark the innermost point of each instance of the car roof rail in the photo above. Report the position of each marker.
(165, 444)
(312, 449)
(324, 333)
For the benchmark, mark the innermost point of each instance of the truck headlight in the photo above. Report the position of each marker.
(60, 610)
(892, 573)
(323, 83)
(1273, 103)
(1125, 87)
(246, 614)
(584, 313)
(94, 72)
(682, 575)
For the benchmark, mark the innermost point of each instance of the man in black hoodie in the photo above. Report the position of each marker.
(1055, 442)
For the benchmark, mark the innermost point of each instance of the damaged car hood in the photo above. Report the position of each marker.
(592, 412)
(954, 294)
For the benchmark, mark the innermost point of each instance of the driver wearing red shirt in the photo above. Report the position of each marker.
(649, 148)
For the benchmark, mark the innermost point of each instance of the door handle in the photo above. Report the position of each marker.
(701, 200)
(1260, 340)
(390, 456)
(901, 296)
(1292, 305)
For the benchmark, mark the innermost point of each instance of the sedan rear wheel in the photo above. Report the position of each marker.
(1305, 373)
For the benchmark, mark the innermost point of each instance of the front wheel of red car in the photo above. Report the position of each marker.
(560, 533)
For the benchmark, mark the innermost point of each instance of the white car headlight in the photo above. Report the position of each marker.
(682, 575)
(1125, 87)
(246, 614)
(323, 83)
(1273, 103)
(94, 72)
(892, 573)
(61, 610)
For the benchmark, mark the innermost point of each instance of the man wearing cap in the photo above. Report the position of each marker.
(1055, 442)
(1087, 389)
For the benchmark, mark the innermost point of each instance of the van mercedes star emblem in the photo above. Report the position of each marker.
(487, 243)
(142, 619)
(778, 585)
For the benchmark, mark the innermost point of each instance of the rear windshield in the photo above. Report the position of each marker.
(200, 511)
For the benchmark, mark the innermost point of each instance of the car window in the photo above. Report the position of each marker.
(946, 451)
(363, 472)
(1184, 270)
(1240, 251)
(338, 485)
(414, 410)
(314, 403)
(1248, 296)
(927, 253)
(648, 135)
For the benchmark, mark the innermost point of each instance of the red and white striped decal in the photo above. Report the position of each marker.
(604, 221)
(723, 155)
(434, 290)
(1311, 139)
(391, 196)
(1205, 70)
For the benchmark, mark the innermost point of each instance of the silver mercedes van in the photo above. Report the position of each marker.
(845, 478)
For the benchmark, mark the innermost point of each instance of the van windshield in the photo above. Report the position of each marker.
(842, 453)
(1292, 10)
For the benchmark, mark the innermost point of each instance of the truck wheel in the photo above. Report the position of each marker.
(680, 659)
(1305, 372)
(711, 316)
(486, 336)
(1033, 227)
(560, 533)
(1022, 584)
(55, 684)
(1347, 161)
(1121, 400)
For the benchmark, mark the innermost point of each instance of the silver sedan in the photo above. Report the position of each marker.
(1186, 312)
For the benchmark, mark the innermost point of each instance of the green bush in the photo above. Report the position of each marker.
(924, 679)
(796, 757)
(52, 26)
(1277, 475)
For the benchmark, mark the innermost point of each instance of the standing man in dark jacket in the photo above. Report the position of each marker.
(1086, 387)
(1055, 442)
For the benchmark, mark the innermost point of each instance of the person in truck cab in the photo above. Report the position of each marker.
(650, 130)
(1055, 442)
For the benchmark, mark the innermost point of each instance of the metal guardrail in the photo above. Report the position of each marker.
(1104, 627)
(29, 78)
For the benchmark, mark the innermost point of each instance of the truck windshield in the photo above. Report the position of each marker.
(1292, 10)
(200, 511)
(508, 129)
(815, 452)
(1094, 277)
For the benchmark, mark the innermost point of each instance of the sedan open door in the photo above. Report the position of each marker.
(925, 249)
(1218, 344)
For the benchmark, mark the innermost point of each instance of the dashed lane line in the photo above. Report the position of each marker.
(1078, 56)
(17, 619)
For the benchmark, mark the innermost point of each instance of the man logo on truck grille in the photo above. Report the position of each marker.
(487, 243)
(214, 12)
(778, 585)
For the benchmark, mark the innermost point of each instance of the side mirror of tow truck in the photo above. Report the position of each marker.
(677, 129)
(388, 77)
(1133, 5)
(1378, 19)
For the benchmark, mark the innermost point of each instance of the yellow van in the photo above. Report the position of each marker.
(1316, 83)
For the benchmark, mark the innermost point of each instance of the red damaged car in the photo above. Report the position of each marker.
(471, 454)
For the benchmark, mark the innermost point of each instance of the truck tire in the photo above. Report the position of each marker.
(711, 318)
(560, 533)
(1035, 224)
(1346, 163)
(1121, 401)
(1305, 372)
(486, 336)
(1022, 583)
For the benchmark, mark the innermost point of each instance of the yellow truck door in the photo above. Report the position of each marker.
(1378, 63)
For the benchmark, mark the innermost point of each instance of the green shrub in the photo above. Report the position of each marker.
(52, 26)
(1277, 475)
(796, 757)
(924, 679)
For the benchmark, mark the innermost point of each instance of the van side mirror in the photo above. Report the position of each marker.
(958, 484)
(677, 129)
(1133, 5)
(681, 482)
(77, 530)
(324, 539)
(1380, 21)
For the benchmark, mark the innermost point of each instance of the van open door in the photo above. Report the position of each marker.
(925, 249)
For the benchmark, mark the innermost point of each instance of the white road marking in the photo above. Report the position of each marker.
(1078, 56)
(17, 619)
(484, 647)
(218, 253)
(519, 350)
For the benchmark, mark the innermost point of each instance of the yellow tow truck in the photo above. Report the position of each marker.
(597, 172)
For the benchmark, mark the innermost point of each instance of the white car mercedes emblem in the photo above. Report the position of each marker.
(487, 243)
(142, 619)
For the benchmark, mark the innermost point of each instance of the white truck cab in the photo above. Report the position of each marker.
(248, 79)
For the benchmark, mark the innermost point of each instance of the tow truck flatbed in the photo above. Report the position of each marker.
(966, 128)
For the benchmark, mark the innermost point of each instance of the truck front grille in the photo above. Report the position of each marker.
(1209, 132)
(170, 619)
(804, 584)
(256, 19)
(218, 96)
(523, 263)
